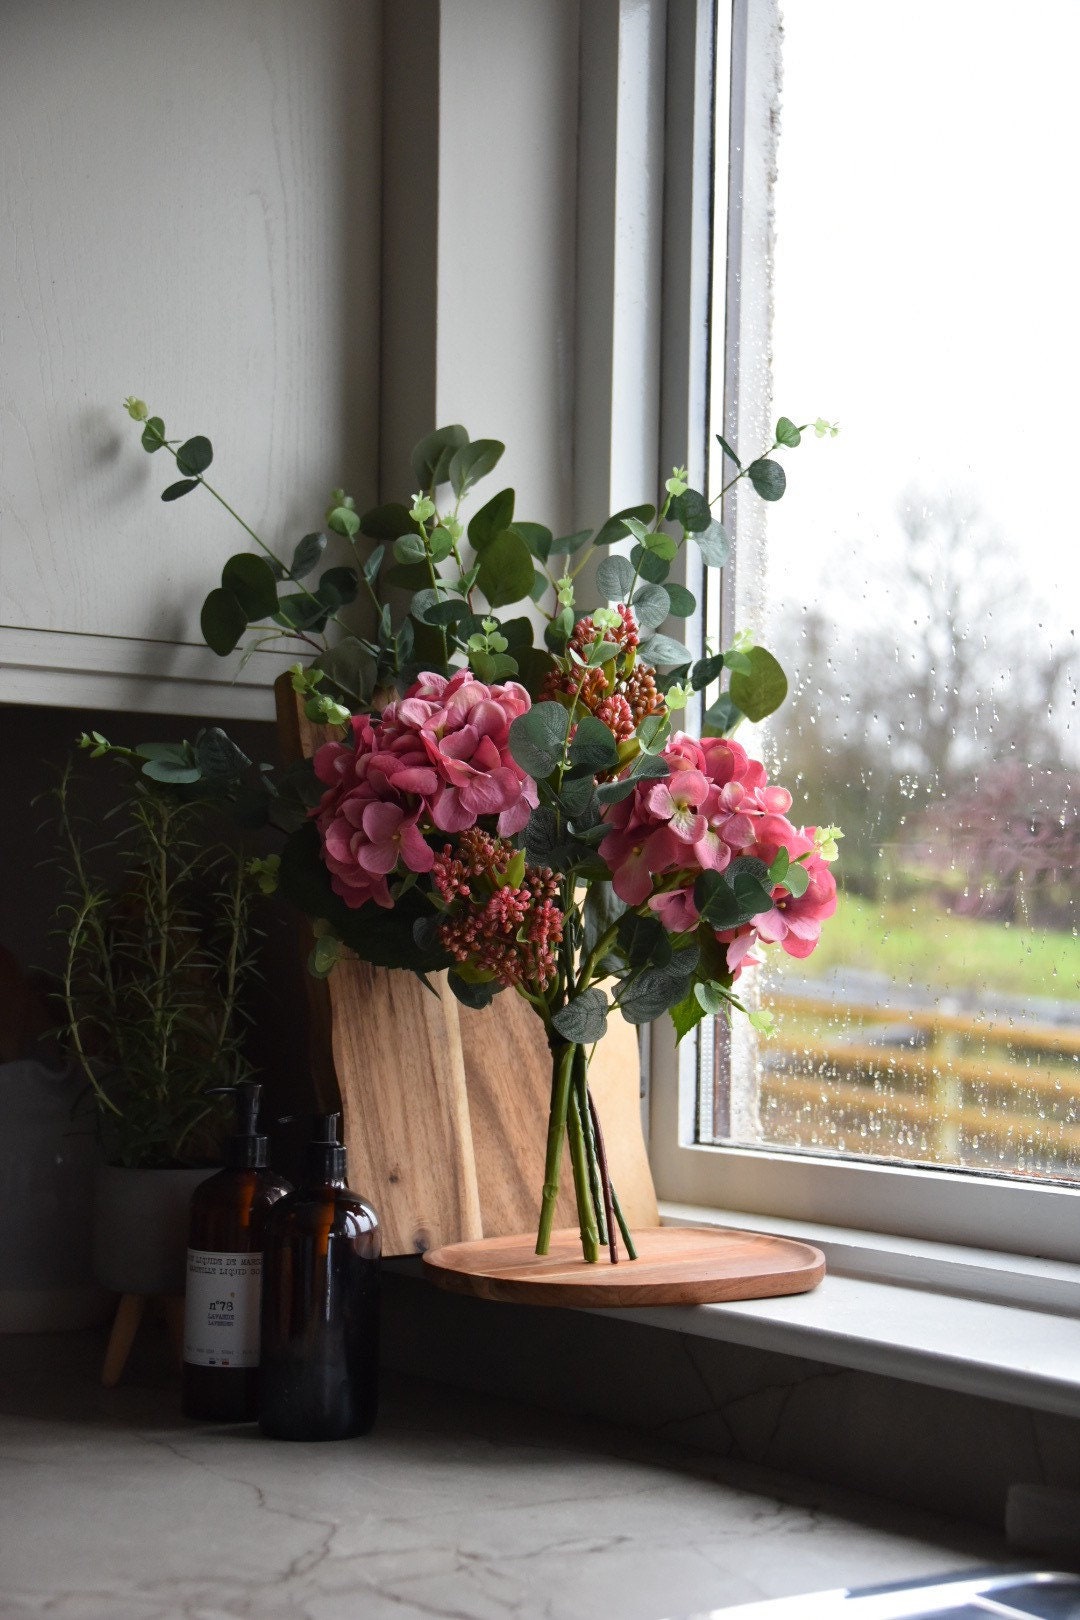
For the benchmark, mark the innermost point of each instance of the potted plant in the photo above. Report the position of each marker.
(157, 927)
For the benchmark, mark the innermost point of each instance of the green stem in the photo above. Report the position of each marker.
(590, 1246)
(585, 1114)
(623, 1228)
(562, 1067)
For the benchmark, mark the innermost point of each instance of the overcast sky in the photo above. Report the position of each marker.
(927, 280)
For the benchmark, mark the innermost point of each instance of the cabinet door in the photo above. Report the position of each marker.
(193, 218)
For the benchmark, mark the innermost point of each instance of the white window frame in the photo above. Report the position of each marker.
(976, 1210)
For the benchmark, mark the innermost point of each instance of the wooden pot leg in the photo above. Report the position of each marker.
(129, 1313)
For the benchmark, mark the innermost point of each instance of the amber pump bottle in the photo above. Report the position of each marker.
(320, 1315)
(224, 1274)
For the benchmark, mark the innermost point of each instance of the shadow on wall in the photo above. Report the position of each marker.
(37, 742)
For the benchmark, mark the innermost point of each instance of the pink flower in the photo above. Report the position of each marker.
(437, 759)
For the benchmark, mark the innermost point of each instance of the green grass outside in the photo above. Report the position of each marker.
(913, 943)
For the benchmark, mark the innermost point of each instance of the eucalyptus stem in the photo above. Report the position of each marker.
(563, 1059)
(623, 1228)
(587, 1115)
(579, 1160)
(605, 1179)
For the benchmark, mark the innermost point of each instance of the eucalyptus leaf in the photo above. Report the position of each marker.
(567, 544)
(768, 478)
(301, 611)
(651, 605)
(681, 602)
(194, 456)
(432, 456)
(705, 671)
(491, 519)
(796, 880)
(222, 621)
(728, 449)
(692, 510)
(616, 528)
(475, 994)
(472, 462)
(343, 520)
(787, 433)
(761, 691)
(387, 522)
(307, 555)
(721, 717)
(344, 665)
(537, 738)
(649, 566)
(615, 578)
(583, 1020)
(653, 991)
(593, 749)
(714, 544)
(410, 548)
(175, 491)
(252, 582)
(538, 539)
(338, 587)
(601, 911)
(506, 569)
(153, 434)
(372, 564)
(664, 651)
(408, 576)
(218, 757)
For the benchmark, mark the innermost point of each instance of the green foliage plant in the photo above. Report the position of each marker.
(156, 919)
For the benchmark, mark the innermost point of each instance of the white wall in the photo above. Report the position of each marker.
(192, 195)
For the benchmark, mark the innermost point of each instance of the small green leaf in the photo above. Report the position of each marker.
(387, 522)
(647, 767)
(738, 661)
(173, 763)
(653, 732)
(222, 621)
(338, 587)
(491, 519)
(762, 691)
(661, 545)
(584, 1019)
(343, 520)
(652, 992)
(569, 543)
(252, 582)
(473, 993)
(796, 880)
(692, 510)
(472, 462)
(153, 434)
(715, 545)
(706, 671)
(440, 544)
(410, 548)
(649, 566)
(493, 666)
(506, 569)
(537, 738)
(721, 717)
(432, 456)
(408, 576)
(681, 602)
(615, 578)
(540, 584)
(727, 449)
(307, 554)
(184, 487)
(194, 456)
(768, 478)
(616, 527)
(651, 606)
(301, 611)
(686, 1015)
(218, 757)
(373, 563)
(787, 433)
(593, 749)
(664, 652)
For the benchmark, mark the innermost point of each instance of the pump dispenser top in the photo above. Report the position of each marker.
(326, 1156)
(245, 1148)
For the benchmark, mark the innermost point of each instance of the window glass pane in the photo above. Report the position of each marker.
(921, 586)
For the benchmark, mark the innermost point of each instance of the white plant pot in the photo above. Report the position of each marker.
(140, 1228)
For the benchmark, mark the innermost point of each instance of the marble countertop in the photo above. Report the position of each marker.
(111, 1505)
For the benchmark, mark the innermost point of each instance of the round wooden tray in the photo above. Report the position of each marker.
(676, 1265)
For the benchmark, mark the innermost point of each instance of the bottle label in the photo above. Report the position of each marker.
(221, 1309)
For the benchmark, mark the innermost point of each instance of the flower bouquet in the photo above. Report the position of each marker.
(509, 798)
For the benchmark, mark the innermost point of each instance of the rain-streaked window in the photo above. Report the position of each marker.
(921, 583)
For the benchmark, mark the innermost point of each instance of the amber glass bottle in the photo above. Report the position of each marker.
(224, 1275)
(320, 1313)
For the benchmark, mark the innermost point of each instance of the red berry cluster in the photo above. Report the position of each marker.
(512, 933)
(620, 698)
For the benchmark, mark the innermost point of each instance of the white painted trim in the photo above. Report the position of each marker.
(62, 668)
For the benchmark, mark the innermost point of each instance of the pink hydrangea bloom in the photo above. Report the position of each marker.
(715, 805)
(437, 759)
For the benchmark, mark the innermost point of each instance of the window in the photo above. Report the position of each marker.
(898, 257)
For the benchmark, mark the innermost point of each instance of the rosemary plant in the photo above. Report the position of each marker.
(155, 967)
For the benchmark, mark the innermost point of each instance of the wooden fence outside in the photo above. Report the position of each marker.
(916, 1083)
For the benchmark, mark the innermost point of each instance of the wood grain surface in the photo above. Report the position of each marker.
(677, 1265)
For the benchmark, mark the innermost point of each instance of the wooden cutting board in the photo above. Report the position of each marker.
(676, 1265)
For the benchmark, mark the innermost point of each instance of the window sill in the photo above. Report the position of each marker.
(960, 1319)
